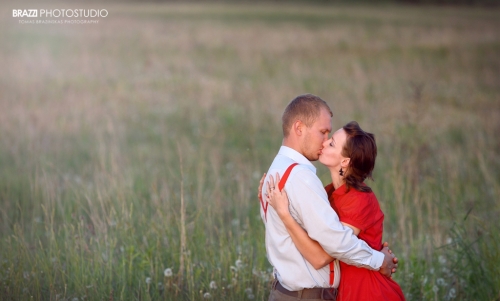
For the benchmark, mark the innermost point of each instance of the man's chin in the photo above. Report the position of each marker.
(313, 158)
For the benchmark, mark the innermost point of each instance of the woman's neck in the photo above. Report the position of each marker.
(337, 180)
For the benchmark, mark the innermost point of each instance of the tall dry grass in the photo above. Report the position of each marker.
(95, 118)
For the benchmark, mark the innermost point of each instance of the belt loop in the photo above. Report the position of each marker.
(273, 284)
(299, 294)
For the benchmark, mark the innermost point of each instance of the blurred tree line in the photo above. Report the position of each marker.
(412, 2)
(449, 2)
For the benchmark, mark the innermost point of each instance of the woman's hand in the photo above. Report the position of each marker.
(261, 183)
(276, 198)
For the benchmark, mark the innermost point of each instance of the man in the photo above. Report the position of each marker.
(306, 125)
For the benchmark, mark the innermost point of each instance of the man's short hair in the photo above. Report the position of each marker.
(305, 108)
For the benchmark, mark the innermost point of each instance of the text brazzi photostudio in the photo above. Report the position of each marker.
(57, 13)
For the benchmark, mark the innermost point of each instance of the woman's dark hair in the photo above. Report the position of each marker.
(361, 148)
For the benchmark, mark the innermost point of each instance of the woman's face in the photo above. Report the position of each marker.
(331, 154)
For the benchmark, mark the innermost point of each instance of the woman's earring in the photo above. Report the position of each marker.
(341, 172)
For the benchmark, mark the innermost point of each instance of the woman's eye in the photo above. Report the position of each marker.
(331, 144)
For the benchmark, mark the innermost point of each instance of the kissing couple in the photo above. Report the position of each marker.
(324, 242)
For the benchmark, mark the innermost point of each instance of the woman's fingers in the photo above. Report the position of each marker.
(271, 181)
(277, 179)
(273, 195)
(261, 183)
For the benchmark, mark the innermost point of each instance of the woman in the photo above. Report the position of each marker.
(350, 156)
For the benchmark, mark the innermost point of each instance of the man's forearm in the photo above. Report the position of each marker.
(309, 248)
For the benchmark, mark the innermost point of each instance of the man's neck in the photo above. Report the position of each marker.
(291, 144)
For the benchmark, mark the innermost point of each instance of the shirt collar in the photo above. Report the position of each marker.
(296, 156)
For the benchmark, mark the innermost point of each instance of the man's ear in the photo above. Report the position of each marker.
(298, 128)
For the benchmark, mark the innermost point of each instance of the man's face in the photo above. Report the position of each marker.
(312, 144)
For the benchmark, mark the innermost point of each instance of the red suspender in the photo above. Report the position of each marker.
(331, 273)
(264, 207)
(281, 184)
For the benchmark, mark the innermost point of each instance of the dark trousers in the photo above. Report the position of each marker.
(276, 295)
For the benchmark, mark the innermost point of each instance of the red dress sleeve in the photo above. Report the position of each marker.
(357, 208)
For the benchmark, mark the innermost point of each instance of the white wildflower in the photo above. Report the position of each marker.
(449, 240)
(26, 275)
(264, 277)
(239, 264)
(441, 282)
(234, 269)
(452, 293)
(442, 259)
(207, 295)
(250, 296)
(168, 272)
(122, 249)
(148, 280)
(213, 285)
(248, 290)
(435, 289)
(74, 299)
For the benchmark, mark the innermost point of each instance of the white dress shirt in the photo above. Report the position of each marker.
(310, 207)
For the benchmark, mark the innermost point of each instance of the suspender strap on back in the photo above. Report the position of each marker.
(283, 180)
(281, 185)
(332, 273)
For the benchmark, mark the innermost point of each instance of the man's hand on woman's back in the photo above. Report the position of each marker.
(390, 264)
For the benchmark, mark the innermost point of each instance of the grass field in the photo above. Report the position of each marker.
(135, 146)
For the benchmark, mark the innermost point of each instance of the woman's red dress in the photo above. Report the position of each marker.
(362, 210)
